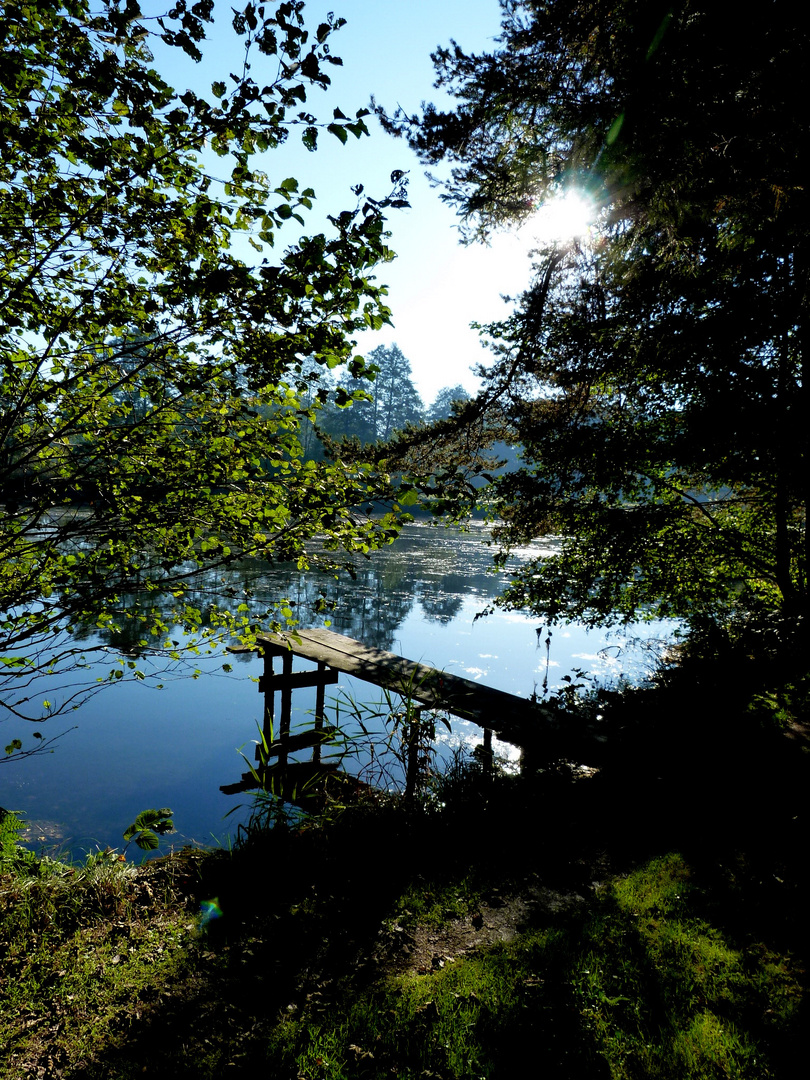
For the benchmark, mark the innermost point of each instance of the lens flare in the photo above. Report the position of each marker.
(209, 911)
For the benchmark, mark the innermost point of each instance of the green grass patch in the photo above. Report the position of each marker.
(666, 994)
(639, 985)
(433, 902)
(105, 967)
(85, 949)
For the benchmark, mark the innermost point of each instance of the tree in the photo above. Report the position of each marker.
(151, 380)
(444, 401)
(654, 372)
(397, 399)
(351, 412)
(389, 403)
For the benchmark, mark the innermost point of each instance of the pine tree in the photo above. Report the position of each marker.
(397, 399)
(442, 406)
(656, 372)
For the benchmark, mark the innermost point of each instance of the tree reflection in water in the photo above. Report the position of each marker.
(136, 748)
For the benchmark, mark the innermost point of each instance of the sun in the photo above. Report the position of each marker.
(562, 218)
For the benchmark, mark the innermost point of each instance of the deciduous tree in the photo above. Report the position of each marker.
(150, 372)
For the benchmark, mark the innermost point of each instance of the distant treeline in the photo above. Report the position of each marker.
(391, 402)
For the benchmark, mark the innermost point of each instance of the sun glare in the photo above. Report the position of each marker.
(564, 217)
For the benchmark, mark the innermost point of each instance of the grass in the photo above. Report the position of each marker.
(433, 904)
(83, 948)
(649, 923)
(637, 985)
(106, 970)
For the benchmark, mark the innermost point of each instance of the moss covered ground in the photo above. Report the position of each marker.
(645, 920)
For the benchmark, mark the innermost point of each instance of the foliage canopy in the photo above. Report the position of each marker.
(152, 342)
(653, 372)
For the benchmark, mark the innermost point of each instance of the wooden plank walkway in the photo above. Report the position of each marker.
(515, 719)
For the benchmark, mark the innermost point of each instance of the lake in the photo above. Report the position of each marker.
(136, 746)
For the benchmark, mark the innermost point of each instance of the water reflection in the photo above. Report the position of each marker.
(429, 568)
(434, 569)
(137, 746)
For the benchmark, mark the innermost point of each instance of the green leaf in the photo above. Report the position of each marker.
(147, 840)
(146, 819)
(142, 358)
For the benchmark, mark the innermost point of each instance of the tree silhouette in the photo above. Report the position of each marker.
(655, 370)
(442, 406)
(397, 399)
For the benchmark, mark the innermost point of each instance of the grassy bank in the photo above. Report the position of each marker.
(636, 981)
(379, 946)
(646, 921)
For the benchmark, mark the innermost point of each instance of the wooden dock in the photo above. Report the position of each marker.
(513, 719)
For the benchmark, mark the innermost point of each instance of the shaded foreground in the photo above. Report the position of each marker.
(648, 921)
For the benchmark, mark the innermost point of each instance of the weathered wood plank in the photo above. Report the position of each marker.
(290, 782)
(303, 740)
(297, 680)
(514, 718)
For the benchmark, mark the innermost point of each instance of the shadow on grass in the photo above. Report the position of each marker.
(679, 969)
(680, 965)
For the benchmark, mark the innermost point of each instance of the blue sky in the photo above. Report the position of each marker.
(437, 287)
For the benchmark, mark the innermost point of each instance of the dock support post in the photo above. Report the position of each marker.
(269, 700)
(487, 756)
(320, 704)
(413, 740)
(286, 709)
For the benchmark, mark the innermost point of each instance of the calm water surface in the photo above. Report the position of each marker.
(136, 746)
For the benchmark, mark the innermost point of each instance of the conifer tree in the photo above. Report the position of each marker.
(655, 370)
(397, 400)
